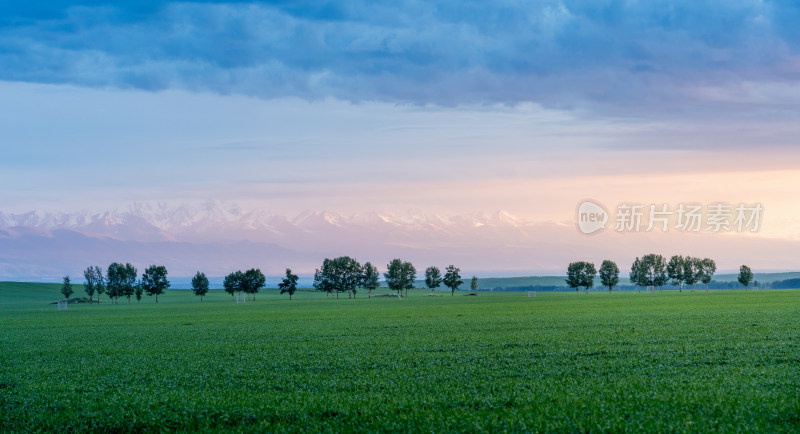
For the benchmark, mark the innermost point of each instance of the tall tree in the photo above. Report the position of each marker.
(233, 283)
(350, 274)
(609, 274)
(708, 267)
(400, 275)
(128, 281)
(653, 271)
(637, 276)
(433, 278)
(691, 270)
(66, 288)
(370, 278)
(745, 276)
(115, 281)
(154, 280)
(659, 272)
(573, 279)
(322, 280)
(100, 282)
(589, 273)
(289, 284)
(452, 278)
(200, 285)
(675, 271)
(581, 275)
(473, 284)
(648, 271)
(90, 286)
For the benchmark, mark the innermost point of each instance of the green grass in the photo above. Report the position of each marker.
(723, 360)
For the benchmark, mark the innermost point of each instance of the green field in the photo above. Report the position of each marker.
(723, 360)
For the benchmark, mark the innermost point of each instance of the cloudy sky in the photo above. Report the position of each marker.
(402, 106)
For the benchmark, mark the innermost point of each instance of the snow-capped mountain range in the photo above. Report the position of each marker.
(215, 222)
(218, 238)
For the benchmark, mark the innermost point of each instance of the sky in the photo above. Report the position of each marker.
(403, 106)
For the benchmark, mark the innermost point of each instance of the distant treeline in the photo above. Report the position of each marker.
(781, 284)
(786, 284)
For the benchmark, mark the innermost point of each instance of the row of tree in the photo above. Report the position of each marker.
(338, 275)
(345, 274)
(342, 274)
(121, 281)
(652, 271)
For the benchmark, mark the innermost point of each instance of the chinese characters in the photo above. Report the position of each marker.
(717, 217)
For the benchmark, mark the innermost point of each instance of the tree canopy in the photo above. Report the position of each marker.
(154, 280)
(342, 274)
(581, 275)
(288, 284)
(745, 276)
(120, 280)
(609, 274)
(370, 278)
(200, 285)
(400, 275)
(66, 288)
(433, 278)
(452, 278)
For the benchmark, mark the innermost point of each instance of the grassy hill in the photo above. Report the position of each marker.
(24, 293)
